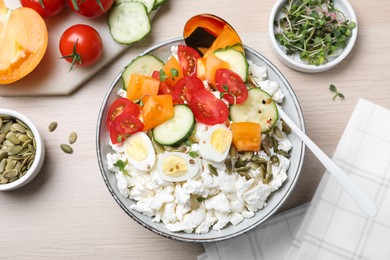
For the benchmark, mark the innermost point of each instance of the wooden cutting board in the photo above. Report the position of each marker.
(52, 76)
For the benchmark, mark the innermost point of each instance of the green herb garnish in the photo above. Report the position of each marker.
(121, 165)
(174, 73)
(336, 92)
(314, 29)
(193, 154)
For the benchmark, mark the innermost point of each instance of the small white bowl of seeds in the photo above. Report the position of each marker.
(22, 150)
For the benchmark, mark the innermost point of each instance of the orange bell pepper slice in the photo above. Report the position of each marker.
(246, 136)
(206, 68)
(157, 110)
(141, 86)
(172, 65)
(23, 38)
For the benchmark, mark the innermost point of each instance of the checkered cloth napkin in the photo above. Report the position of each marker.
(331, 226)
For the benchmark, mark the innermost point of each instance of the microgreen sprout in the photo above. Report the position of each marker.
(121, 165)
(336, 92)
(193, 154)
(174, 73)
(314, 29)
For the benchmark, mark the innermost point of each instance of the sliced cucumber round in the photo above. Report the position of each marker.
(176, 130)
(258, 108)
(144, 65)
(149, 4)
(128, 22)
(236, 60)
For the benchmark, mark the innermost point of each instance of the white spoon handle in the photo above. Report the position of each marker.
(361, 199)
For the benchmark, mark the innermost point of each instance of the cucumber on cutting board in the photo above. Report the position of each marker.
(149, 4)
(144, 65)
(236, 59)
(259, 108)
(176, 130)
(128, 22)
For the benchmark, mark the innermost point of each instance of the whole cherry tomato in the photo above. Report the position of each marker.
(81, 45)
(90, 8)
(46, 8)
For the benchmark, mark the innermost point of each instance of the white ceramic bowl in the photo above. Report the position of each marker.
(295, 62)
(39, 155)
(292, 108)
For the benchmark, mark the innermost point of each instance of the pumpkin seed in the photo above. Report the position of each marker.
(258, 159)
(245, 174)
(239, 163)
(233, 152)
(277, 132)
(52, 126)
(275, 144)
(6, 128)
(212, 170)
(72, 137)
(268, 141)
(285, 128)
(3, 155)
(23, 138)
(247, 156)
(16, 127)
(266, 150)
(66, 148)
(3, 180)
(284, 153)
(2, 165)
(21, 123)
(229, 166)
(268, 178)
(275, 160)
(17, 151)
(13, 139)
(243, 169)
(10, 174)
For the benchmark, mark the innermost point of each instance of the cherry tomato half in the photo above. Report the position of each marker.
(187, 59)
(81, 45)
(231, 85)
(90, 8)
(123, 126)
(46, 8)
(186, 88)
(121, 106)
(208, 109)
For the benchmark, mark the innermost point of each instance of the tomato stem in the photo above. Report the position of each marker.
(100, 5)
(75, 5)
(76, 57)
(42, 4)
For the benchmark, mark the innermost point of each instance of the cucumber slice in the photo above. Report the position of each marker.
(259, 108)
(149, 4)
(236, 59)
(128, 22)
(176, 130)
(144, 65)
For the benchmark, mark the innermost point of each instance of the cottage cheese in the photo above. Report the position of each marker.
(206, 202)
